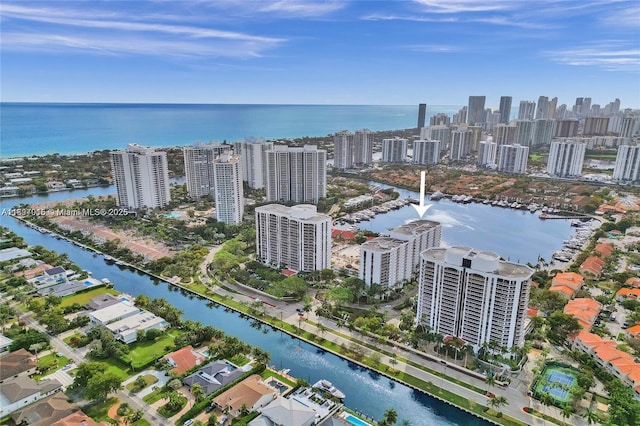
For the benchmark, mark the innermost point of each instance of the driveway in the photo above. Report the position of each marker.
(162, 380)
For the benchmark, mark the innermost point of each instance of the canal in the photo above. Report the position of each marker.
(366, 390)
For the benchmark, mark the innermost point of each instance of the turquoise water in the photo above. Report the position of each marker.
(355, 421)
(36, 129)
(173, 215)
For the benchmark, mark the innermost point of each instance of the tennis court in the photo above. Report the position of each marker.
(556, 381)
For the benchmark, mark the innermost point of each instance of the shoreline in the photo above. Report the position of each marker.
(273, 324)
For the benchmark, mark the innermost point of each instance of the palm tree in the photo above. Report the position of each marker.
(567, 411)
(261, 356)
(197, 392)
(590, 416)
(468, 349)
(499, 401)
(490, 380)
(390, 416)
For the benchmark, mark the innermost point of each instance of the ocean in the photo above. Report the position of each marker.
(47, 128)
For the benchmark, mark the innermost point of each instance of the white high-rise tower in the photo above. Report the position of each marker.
(229, 192)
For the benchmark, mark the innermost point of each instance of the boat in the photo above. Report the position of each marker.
(436, 196)
(327, 386)
(109, 259)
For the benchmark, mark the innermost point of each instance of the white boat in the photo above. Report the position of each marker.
(436, 196)
(327, 386)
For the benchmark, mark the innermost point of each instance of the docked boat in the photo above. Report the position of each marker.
(436, 196)
(327, 386)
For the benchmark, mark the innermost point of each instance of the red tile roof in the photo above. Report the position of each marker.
(185, 359)
(584, 310)
(604, 249)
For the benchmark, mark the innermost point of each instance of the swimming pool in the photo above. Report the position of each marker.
(173, 215)
(355, 421)
(88, 283)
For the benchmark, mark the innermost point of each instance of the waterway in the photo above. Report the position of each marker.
(366, 390)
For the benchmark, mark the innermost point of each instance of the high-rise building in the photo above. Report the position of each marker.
(476, 135)
(586, 106)
(551, 111)
(542, 111)
(476, 113)
(512, 158)
(440, 119)
(141, 176)
(505, 109)
(629, 126)
(426, 152)
(297, 174)
(487, 151)
(438, 133)
(394, 150)
(627, 168)
(422, 114)
(460, 145)
(566, 158)
(363, 147)
(343, 150)
(198, 167)
(543, 130)
(595, 126)
(297, 238)
(524, 131)
(504, 134)
(527, 110)
(566, 128)
(577, 107)
(228, 191)
(393, 259)
(474, 296)
(460, 117)
(252, 157)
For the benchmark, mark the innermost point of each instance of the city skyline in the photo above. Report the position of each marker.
(311, 52)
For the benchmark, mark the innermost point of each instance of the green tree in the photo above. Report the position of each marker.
(98, 387)
(590, 416)
(85, 371)
(198, 393)
(261, 356)
(560, 325)
(390, 416)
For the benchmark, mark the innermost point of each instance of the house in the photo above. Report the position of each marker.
(633, 282)
(102, 301)
(30, 274)
(633, 331)
(17, 363)
(285, 412)
(604, 249)
(251, 393)
(592, 265)
(70, 287)
(213, 376)
(78, 418)
(112, 313)
(184, 359)
(18, 392)
(51, 276)
(9, 191)
(12, 253)
(628, 293)
(566, 283)
(126, 329)
(46, 411)
(584, 310)
(5, 342)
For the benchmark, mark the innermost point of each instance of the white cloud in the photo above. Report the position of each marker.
(625, 17)
(434, 48)
(299, 8)
(466, 6)
(610, 56)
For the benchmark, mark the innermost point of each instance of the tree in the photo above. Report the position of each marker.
(560, 326)
(98, 387)
(198, 393)
(213, 420)
(390, 416)
(590, 416)
(261, 356)
(174, 384)
(490, 380)
(498, 402)
(567, 411)
(85, 371)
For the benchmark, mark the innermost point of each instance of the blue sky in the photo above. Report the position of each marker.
(328, 52)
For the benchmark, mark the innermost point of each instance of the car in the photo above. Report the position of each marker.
(612, 318)
(188, 422)
(222, 420)
(59, 354)
(209, 409)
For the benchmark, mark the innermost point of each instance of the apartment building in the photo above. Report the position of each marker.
(198, 167)
(566, 158)
(252, 152)
(297, 174)
(228, 191)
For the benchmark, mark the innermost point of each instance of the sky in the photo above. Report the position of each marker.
(406, 52)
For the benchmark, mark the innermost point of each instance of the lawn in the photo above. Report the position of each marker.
(144, 353)
(51, 363)
(239, 360)
(164, 411)
(85, 297)
(98, 412)
(117, 367)
(141, 422)
(156, 395)
(270, 373)
(149, 380)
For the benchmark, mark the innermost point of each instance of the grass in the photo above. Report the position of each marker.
(149, 380)
(141, 422)
(55, 361)
(144, 353)
(85, 297)
(67, 339)
(156, 395)
(239, 360)
(117, 367)
(99, 411)
(170, 413)
(270, 373)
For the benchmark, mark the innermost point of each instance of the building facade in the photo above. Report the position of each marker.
(141, 176)
(627, 168)
(198, 167)
(566, 128)
(343, 150)
(363, 148)
(252, 159)
(476, 111)
(460, 145)
(505, 109)
(391, 259)
(527, 110)
(487, 151)
(473, 295)
(394, 150)
(297, 238)
(426, 152)
(504, 134)
(543, 131)
(296, 174)
(512, 159)
(229, 192)
(566, 158)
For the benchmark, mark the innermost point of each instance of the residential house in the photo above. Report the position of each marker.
(19, 392)
(633, 282)
(51, 276)
(126, 329)
(184, 360)
(251, 393)
(604, 249)
(593, 265)
(213, 376)
(285, 412)
(33, 272)
(566, 283)
(5, 342)
(47, 411)
(633, 331)
(112, 313)
(102, 301)
(17, 363)
(628, 293)
(584, 310)
(78, 418)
